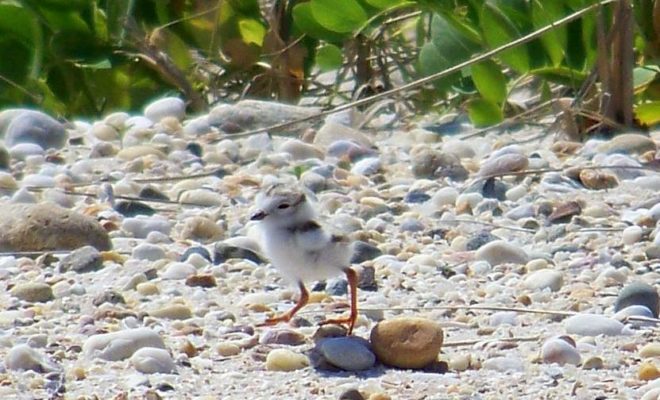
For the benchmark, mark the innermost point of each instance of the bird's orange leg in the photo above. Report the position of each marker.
(352, 278)
(286, 317)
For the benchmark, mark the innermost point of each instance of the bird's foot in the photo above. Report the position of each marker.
(275, 320)
(350, 321)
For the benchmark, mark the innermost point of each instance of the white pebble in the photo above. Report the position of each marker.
(285, 360)
(122, 344)
(150, 360)
(631, 235)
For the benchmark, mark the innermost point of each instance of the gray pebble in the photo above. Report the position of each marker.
(348, 353)
(35, 127)
(638, 293)
(148, 251)
(84, 259)
(140, 226)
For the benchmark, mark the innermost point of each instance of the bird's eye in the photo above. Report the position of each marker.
(283, 206)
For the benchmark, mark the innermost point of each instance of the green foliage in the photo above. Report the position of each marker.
(86, 57)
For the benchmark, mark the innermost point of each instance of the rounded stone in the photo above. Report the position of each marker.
(165, 107)
(282, 336)
(299, 150)
(23, 358)
(638, 293)
(33, 292)
(501, 252)
(407, 342)
(544, 279)
(349, 353)
(560, 351)
(84, 259)
(37, 128)
(285, 360)
(174, 311)
(593, 325)
(151, 360)
(201, 229)
(121, 344)
(650, 350)
(148, 251)
(46, 226)
(628, 143)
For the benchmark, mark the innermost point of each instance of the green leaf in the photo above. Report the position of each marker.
(490, 81)
(499, 30)
(384, 4)
(484, 113)
(252, 31)
(648, 113)
(329, 57)
(306, 23)
(561, 75)
(432, 61)
(341, 16)
(453, 46)
(554, 42)
(643, 76)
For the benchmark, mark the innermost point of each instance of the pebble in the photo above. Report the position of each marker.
(285, 360)
(35, 127)
(428, 163)
(178, 270)
(502, 164)
(544, 279)
(479, 240)
(286, 337)
(225, 251)
(504, 364)
(593, 325)
(45, 226)
(141, 226)
(201, 229)
(135, 152)
(121, 345)
(363, 251)
(148, 251)
(348, 353)
(299, 150)
(648, 371)
(631, 235)
(24, 358)
(150, 360)
(638, 293)
(628, 143)
(650, 350)
(84, 259)
(33, 292)
(174, 311)
(201, 280)
(165, 107)
(500, 252)
(407, 342)
(560, 351)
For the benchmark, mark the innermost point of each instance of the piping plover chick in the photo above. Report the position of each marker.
(301, 248)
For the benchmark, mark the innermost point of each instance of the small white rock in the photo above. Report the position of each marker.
(151, 360)
(557, 350)
(632, 235)
(544, 278)
(122, 344)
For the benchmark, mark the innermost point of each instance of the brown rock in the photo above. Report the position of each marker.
(46, 226)
(407, 342)
(201, 280)
(564, 211)
(596, 180)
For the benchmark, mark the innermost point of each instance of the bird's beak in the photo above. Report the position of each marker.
(258, 215)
